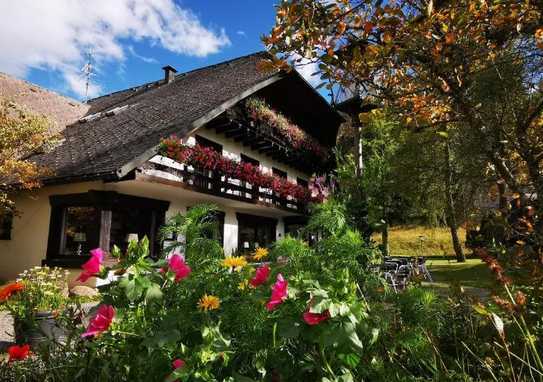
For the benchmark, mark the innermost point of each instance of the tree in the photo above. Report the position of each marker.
(21, 133)
(424, 58)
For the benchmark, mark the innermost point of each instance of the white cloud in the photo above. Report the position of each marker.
(241, 33)
(148, 60)
(55, 34)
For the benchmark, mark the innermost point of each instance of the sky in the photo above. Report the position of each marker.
(47, 42)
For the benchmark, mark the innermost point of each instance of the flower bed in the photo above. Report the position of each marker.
(260, 111)
(209, 159)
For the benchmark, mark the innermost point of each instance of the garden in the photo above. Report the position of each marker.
(429, 259)
(291, 312)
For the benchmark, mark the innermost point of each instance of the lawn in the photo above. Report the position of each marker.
(421, 241)
(472, 275)
(435, 244)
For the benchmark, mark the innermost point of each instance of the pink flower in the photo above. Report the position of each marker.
(100, 322)
(261, 276)
(316, 318)
(178, 363)
(279, 293)
(92, 267)
(179, 267)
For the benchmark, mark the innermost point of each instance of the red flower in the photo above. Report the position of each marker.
(10, 289)
(179, 267)
(178, 363)
(262, 274)
(92, 267)
(316, 318)
(279, 293)
(18, 353)
(100, 322)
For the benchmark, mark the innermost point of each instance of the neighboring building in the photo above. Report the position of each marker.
(109, 182)
(61, 110)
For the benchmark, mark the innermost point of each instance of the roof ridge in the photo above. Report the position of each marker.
(32, 84)
(178, 75)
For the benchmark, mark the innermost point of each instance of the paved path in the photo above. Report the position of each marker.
(6, 331)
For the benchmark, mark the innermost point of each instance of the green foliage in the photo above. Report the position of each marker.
(44, 289)
(364, 332)
(195, 229)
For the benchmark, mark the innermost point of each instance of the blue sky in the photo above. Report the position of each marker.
(130, 39)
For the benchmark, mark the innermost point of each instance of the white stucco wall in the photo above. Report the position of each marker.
(30, 230)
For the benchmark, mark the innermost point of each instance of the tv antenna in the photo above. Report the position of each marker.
(87, 72)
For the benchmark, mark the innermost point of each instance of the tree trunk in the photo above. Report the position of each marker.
(359, 156)
(451, 216)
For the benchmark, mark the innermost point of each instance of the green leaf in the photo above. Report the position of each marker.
(133, 290)
(154, 293)
(288, 329)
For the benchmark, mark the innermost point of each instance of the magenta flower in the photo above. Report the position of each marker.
(179, 267)
(262, 274)
(178, 363)
(279, 293)
(92, 267)
(316, 318)
(100, 322)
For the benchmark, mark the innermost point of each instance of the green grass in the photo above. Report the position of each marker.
(436, 246)
(406, 241)
(472, 274)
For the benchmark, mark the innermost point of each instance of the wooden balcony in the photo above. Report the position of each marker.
(166, 171)
(265, 140)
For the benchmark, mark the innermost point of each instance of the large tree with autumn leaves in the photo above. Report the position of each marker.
(429, 61)
(21, 133)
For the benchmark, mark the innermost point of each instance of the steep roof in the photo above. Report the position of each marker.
(61, 110)
(122, 130)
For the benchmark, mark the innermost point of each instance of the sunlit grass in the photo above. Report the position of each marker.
(472, 274)
(421, 241)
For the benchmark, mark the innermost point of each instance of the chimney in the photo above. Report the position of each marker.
(169, 73)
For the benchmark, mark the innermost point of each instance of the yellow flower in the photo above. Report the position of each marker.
(209, 302)
(237, 262)
(243, 285)
(260, 253)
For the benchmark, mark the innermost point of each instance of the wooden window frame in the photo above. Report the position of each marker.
(105, 202)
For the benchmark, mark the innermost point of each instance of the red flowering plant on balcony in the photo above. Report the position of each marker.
(209, 159)
(260, 111)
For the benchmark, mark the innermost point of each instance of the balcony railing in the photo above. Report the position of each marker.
(165, 170)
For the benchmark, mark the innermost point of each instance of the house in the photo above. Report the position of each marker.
(114, 176)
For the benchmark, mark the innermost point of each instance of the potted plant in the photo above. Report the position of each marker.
(35, 301)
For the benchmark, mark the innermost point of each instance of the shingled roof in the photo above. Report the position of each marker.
(123, 129)
(61, 110)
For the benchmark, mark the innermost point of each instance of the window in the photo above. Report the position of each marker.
(6, 222)
(81, 222)
(80, 230)
(279, 173)
(204, 142)
(255, 231)
(302, 182)
(248, 159)
(129, 221)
